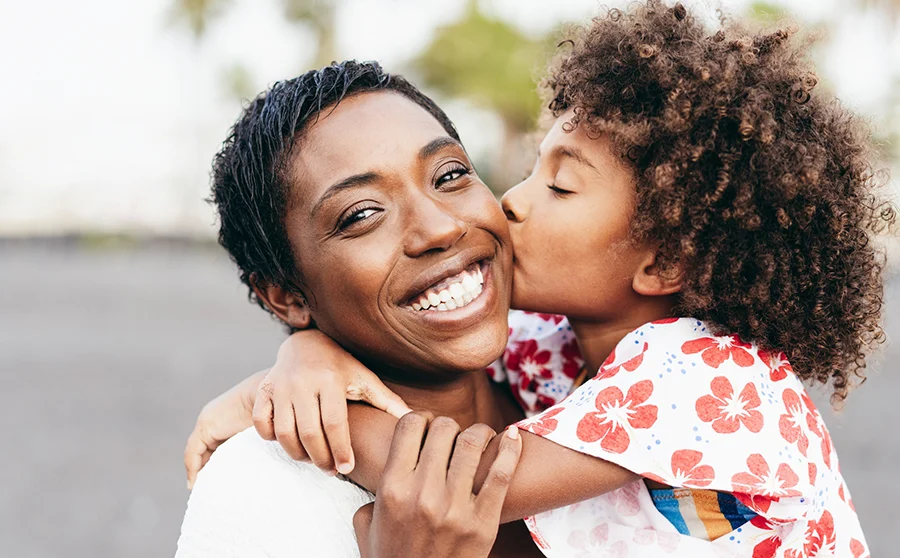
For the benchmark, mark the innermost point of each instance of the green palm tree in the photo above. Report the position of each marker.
(494, 65)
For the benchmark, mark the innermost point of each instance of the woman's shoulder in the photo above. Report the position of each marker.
(252, 499)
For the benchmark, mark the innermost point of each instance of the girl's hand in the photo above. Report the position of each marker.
(425, 505)
(302, 402)
(220, 419)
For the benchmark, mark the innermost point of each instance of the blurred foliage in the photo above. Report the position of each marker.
(489, 62)
(197, 14)
(766, 12)
(316, 15)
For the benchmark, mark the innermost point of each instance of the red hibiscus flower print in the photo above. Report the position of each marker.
(792, 422)
(778, 364)
(572, 359)
(614, 412)
(608, 370)
(530, 361)
(759, 479)
(688, 471)
(554, 318)
(716, 350)
(857, 548)
(767, 547)
(727, 412)
(665, 321)
(542, 424)
(819, 537)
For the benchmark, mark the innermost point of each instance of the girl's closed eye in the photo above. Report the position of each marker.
(559, 192)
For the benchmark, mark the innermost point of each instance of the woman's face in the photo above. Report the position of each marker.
(569, 222)
(404, 253)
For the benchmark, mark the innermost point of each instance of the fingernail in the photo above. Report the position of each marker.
(188, 485)
(345, 468)
(512, 432)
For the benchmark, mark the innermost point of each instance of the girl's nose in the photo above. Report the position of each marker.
(514, 203)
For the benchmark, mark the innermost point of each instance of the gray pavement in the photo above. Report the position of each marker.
(107, 356)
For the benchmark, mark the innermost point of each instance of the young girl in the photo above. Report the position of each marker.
(701, 215)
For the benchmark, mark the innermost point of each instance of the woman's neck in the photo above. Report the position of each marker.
(471, 398)
(597, 339)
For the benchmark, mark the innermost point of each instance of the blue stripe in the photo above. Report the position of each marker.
(667, 504)
(735, 512)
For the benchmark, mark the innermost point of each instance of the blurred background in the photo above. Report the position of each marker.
(119, 315)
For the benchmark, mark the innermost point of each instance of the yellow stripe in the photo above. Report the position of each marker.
(689, 513)
(706, 503)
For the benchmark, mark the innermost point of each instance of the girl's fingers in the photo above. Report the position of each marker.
(264, 412)
(193, 453)
(286, 430)
(308, 426)
(489, 502)
(369, 388)
(337, 428)
(406, 443)
(470, 445)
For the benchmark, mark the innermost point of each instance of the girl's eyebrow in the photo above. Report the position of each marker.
(575, 154)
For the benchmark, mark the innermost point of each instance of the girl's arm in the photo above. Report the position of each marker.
(548, 476)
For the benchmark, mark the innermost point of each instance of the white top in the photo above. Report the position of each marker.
(252, 500)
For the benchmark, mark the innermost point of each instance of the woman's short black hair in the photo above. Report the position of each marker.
(250, 186)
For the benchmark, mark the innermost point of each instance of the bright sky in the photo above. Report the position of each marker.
(110, 115)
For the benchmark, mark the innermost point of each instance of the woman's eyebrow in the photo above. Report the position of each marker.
(355, 181)
(438, 144)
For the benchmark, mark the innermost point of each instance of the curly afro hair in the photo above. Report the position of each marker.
(757, 188)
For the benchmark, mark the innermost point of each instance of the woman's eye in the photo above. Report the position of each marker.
(357, 216)
(451, 175)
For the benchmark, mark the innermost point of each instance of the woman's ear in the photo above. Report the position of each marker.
(651, 280)
(290, 307)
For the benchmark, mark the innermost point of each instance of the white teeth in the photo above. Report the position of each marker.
(456, 290)
(468, 283)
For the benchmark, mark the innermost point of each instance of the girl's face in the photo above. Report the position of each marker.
(569, 223)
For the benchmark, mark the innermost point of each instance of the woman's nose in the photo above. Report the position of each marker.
(434, 228)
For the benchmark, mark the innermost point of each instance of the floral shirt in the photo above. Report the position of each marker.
(681, 405)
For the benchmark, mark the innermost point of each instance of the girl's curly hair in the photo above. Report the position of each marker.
(758, 189)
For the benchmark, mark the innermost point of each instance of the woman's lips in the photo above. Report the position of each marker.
(451, 293)
(470, 313)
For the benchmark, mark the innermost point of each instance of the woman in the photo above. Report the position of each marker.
(298, 197)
